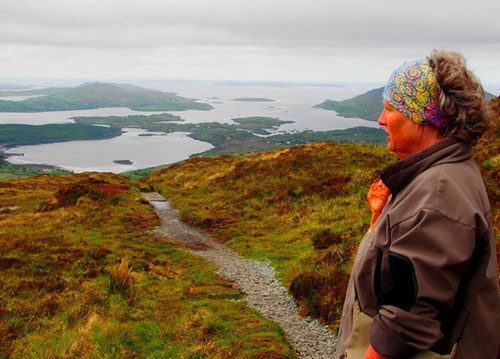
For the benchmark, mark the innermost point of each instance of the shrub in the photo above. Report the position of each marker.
(121, 280)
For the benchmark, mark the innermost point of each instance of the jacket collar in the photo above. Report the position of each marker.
(400, 173)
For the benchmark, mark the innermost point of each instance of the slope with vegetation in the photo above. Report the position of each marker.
(96, 95)
(83, 277)
(303, 208)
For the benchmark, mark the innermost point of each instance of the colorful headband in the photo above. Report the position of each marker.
(413, 90)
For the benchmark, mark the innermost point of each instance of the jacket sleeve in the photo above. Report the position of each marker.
(431, 253)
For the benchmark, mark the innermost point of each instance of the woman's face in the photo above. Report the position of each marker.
(405, 136)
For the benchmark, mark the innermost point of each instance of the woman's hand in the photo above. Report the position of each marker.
(372, 354)
(377, 198)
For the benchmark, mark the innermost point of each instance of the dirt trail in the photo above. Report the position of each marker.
(255, 279)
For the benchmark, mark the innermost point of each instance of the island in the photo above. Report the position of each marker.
(253, 99)
(123, 162)
(94, 95)
(213, 132)
(19, 134)
(140, 121)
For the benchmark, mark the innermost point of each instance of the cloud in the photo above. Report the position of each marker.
(290, 23)
(332, 40)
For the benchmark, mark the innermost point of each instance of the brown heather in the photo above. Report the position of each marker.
(303, 208)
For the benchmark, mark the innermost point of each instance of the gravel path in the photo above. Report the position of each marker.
(255, 279)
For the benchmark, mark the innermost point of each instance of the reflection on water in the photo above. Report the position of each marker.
(99, 155)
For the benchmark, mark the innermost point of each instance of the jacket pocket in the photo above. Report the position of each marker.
(360, 338)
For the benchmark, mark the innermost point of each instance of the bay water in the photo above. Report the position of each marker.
(133, 150)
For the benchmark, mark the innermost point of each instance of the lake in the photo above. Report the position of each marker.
(291, 103)
(99, 155)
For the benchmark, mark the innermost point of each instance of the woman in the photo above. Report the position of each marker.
(425, 280)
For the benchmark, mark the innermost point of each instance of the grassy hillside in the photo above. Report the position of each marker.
(96, 95)
(367, 106)
(83, 277)
(303, 208)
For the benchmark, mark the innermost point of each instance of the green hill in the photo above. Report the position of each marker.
(95, 95)
(367, 106)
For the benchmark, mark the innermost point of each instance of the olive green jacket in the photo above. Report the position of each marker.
(426, 275)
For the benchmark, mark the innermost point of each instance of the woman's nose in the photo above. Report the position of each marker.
(382, 120)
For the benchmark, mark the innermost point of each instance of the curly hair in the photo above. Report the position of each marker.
(462, 100)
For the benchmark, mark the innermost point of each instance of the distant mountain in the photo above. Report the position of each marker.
(97, 94)
(367, 106)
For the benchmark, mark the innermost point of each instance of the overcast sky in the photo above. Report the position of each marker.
(259, 40)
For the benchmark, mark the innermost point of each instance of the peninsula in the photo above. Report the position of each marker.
(367, 106)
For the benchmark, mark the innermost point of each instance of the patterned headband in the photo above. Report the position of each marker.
(413, 90)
